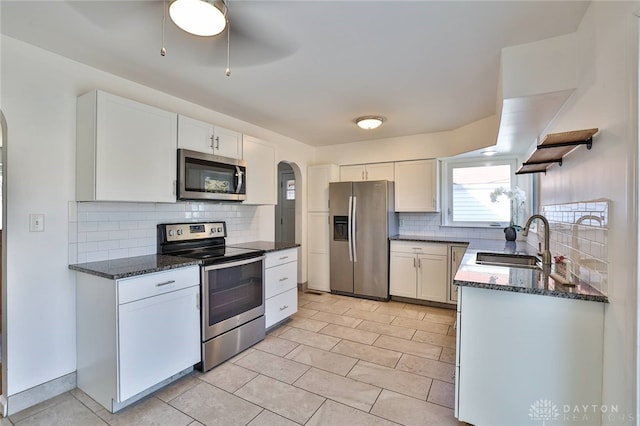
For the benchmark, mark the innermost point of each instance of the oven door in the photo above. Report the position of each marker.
(233, 294)
(204, 176)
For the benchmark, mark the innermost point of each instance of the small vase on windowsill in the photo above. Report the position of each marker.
(510, 233)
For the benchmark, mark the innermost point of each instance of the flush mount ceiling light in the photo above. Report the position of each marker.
(489, 153)
(369, 122)
(199, 17)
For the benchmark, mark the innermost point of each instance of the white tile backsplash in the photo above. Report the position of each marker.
(429, 225)
(104, 230)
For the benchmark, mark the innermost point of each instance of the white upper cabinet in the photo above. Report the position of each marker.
(200, 136)
(125, 150)
(318, 179)
(416, 186)
(261, 171)
(363, 172)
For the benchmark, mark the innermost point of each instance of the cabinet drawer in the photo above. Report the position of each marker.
(280, 278)
(419, 247)
(279, 257)
(148, 285)
(281, 306)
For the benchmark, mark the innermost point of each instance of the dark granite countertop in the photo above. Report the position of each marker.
(266, 246)
(520, 280)
(132, 266)
(504, 278)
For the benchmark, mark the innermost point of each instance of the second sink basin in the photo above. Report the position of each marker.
(513, 260)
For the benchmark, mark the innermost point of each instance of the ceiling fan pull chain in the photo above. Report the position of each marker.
(228, 72)
(163, 51)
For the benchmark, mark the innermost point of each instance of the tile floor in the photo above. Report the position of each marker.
(338, 361)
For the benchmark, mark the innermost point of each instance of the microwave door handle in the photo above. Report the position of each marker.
(239, 174)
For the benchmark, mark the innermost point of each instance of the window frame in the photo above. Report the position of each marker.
(446, 189)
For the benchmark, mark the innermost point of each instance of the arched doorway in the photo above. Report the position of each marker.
(285, 215)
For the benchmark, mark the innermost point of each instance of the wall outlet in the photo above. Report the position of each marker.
(36, 222)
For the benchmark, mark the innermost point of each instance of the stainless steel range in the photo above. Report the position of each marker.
(232, 285)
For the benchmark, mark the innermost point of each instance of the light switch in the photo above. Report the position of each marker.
(36, 222)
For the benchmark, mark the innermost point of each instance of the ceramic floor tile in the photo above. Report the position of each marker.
(337, 319)
(329, 361)
(400, 312)
(435, 339)
(373, 354)
(195, 423)
(5, 422)
(326, 307)
(319, 297)
(310, 339)
(338, 388)
(361, 304)
(267, 418)
(423, 325)
(425, 350)
(275, 332)
(28, 412)
(349, 333)
(410, 411)
(86, 400)
(214, 407)
(276, 345)
(370, 316)
(441, 319)
(177, 388)
(283, 399)
(427, 367)
(389, 378)
(305, 312)
(64, 411)
(448, 355)
(389, 330)
(273, 366)
(334, 413)
(240, 355)
(452, 331)
(306, 323)
(229, 377)
(442, 393)
(148, 412)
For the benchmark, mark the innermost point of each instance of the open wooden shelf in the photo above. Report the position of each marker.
(553, 149)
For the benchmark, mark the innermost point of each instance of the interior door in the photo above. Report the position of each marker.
(341, 270)
(371, 259)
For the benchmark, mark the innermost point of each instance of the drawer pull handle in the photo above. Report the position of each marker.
(284, 307)
(165, 283)
(284, 257)
(284, 279)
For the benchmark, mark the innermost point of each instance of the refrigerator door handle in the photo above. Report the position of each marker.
(353, 229)
(349, 229)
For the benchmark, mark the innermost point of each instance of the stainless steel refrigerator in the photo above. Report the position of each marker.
(362, 218)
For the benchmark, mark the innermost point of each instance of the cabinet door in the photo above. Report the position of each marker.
(261, 171)
(157, 337)
(318, 237)
(432, 277)
(227, 143)
(126, 151)
(402, 274)
(379, 171)
(195, 135)
(456, 255)
(416, 186)
(318, 179)
(352, 173)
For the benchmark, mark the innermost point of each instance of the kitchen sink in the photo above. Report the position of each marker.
(512, 260)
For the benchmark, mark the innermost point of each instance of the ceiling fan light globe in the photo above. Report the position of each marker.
(369, 123)
(199, 17)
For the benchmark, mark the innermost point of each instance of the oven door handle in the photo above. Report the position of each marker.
(232, 264)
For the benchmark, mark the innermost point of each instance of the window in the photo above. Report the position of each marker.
(467, 188)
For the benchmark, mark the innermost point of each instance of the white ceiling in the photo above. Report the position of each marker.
(306, 69)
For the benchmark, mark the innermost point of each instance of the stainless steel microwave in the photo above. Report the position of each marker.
(203, 176)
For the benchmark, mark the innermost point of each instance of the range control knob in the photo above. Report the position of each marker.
(179, 231)
(171, 233)
(220, 229)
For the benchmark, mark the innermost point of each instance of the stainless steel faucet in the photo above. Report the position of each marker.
(546, 254)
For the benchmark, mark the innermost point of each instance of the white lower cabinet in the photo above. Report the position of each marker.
(136, 334)
(418, 270)
(526, 357)
(281, 285)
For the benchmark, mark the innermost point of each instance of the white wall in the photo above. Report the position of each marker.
(39, 91)
(605, 99)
